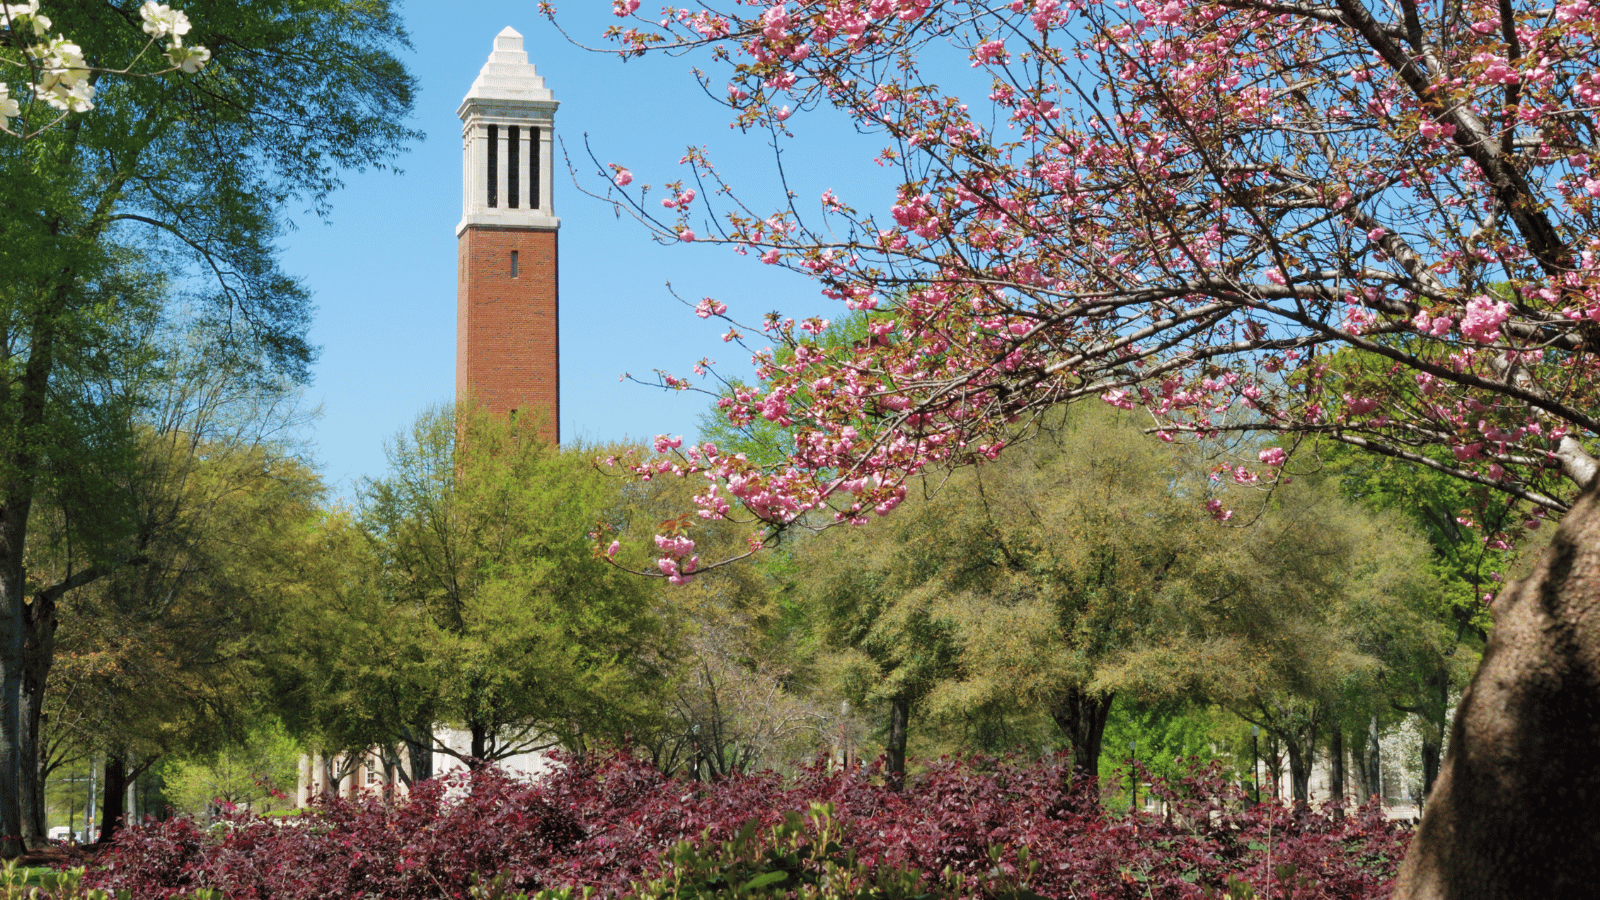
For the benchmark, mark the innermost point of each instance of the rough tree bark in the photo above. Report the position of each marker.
(895, 747)
(1336, 766)
(112, 797)
(1374, 760)
(1516, 810)
(1081, 716)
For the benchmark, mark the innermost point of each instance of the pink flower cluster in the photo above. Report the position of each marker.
(1484, 318)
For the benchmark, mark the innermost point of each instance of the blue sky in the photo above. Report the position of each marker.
(382, 267)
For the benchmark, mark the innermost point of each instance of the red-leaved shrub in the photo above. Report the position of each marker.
(606, 823)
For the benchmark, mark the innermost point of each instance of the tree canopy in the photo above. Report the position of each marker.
(478, 600)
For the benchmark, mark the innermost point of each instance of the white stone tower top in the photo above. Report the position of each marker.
(508, 75)
(507, 139)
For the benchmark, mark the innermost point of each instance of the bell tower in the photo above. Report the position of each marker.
(507, 281)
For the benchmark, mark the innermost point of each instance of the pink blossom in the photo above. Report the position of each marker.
(1483, 319)
(686, 235)
(1430, 129)
(770, 257)
(1117, 398)
(708, 307)
(611, 551)
(664, 443)
(1437, 326)
(1360, 406)
(623, 177)
(1273, 456)
(624, 8)
(676, 545)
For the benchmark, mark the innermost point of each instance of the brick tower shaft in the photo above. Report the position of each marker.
(507, 295)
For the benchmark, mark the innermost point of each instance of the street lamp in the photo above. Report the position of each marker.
(1255, 760)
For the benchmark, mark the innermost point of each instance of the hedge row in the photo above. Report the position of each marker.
(617, 827)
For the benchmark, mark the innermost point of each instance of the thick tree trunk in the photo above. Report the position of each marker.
(11, 743)
(895, 747)
(1081, 716)
(1516, 810)
(30, 782)
(1336, 766)
(112, 796)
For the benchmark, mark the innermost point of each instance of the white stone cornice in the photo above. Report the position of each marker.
(508, 77)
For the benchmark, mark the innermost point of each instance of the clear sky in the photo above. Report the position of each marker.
(382, 268)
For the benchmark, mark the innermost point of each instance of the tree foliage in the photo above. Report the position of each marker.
(1082, 565)
(479, 600)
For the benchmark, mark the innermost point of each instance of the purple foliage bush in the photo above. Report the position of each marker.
(607, 823)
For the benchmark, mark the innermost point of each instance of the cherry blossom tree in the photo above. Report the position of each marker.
(1371, 222)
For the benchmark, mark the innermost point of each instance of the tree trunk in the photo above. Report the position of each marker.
(30, 784)
(330, 784)
(1336, 767)
(1433, 731)
(1081, 716)
(895, 748)
(1516, 810)
(1302, 754)
(1374, 760)
(11, 742)
(479, 752)
(112, 796)
(419, 750)
(38, 651)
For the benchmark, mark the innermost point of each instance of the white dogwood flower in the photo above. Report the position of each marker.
(161, 20)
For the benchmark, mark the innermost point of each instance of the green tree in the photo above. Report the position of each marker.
(1082, 565)
(488, 607)
(166, 656)
(255, 773)
(187, 172)
(1425, 677)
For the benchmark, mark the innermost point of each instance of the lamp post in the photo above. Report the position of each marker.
(1255, 760)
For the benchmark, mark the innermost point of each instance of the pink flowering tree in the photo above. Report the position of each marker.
(1371, 223)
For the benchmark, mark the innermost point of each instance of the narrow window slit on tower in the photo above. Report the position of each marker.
(513, 264)
(533, 168)
(494, 165)
(513, 148)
